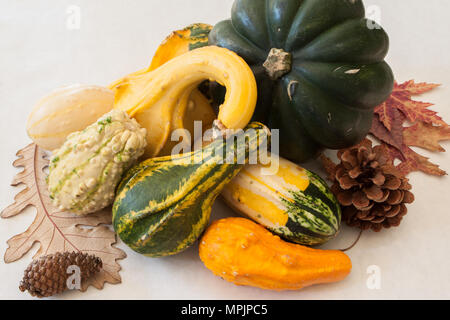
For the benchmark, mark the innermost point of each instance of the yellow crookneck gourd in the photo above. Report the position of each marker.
(191, 108)
(158, 99)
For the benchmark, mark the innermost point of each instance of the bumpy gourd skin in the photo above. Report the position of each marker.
(85, 171)
(243, 252)
(325, 98)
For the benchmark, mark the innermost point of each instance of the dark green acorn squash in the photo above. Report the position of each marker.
(319, 65)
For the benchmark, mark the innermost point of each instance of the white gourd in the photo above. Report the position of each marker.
(66, 110)
(86, 170)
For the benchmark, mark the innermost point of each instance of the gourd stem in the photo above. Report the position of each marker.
(354, 243)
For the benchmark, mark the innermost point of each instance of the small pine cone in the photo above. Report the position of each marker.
(372, 192)
(48, 275)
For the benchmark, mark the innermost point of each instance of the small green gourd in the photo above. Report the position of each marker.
(163, 204)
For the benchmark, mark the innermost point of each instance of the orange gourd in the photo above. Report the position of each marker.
(245, 253)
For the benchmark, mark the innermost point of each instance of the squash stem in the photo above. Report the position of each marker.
(354, 243)
(278, 63)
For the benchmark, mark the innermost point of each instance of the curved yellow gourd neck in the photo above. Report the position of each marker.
(164, 86)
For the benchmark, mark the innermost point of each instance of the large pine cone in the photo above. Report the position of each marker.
(372, 192)
(47, 275)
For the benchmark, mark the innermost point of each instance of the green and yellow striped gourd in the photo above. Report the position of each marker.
(292, 202)
(163, 205)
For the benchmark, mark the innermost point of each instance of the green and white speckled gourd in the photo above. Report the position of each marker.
(85, 171)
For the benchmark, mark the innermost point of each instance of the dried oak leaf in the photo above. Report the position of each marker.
(427, 131)
(58, 231)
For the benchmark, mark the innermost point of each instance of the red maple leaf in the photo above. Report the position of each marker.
(401, 100)
(393, 136)
(427, 131)
(426, 136)
(411, 161)
(414, 88)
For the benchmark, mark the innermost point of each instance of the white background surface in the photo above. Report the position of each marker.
(38, 53)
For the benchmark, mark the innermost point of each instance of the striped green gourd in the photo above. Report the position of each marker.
(163, 204)
(292, 202)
